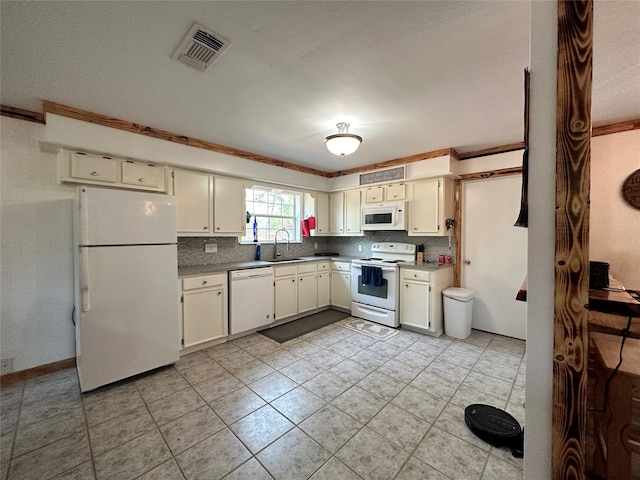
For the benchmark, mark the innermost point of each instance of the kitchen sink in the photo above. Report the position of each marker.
(278, 260)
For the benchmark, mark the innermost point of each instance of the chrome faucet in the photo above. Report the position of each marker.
(276, 253)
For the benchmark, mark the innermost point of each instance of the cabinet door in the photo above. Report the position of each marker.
(204, 316)
(307, 292)
(341, 289)
(324, 289)
(425, 207)
(374, 194)
(229, 206)
(142, 175)
(396, 191)
(322, 214)
(337, 212)
(352, 211)
(193, 202)
(414, 304)
(94, 167)
(285, 297)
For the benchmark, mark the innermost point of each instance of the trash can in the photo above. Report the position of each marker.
(458, 308)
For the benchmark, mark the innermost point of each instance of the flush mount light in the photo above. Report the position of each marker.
(342, 143)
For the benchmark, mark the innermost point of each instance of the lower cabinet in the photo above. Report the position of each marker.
(421, 299)
(324, 289)
(204, 309)
(285, 296)
(341, 285)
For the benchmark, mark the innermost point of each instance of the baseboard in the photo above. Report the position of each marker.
(23, 375)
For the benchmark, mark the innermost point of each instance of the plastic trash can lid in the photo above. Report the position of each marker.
(458, 293)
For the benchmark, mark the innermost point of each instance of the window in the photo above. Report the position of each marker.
(273, 209)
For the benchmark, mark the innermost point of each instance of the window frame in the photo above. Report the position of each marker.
(295, 235)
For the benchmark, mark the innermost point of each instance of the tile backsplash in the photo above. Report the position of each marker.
(191, 249)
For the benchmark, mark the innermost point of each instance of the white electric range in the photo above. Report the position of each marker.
(378, 298)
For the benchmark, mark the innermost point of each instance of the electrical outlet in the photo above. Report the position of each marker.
(210, 247)
(7, 366)
(359, 248)
(315, 245)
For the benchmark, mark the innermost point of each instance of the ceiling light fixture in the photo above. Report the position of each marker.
(342, 143)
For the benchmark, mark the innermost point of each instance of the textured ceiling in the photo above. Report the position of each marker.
(410, 77)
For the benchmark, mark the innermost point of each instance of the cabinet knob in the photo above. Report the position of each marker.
(467, 262)
(217, 228)
(415, 228)
(204, 228)
(141, 180)
(95, 174)
(204, 282)
(219, 293)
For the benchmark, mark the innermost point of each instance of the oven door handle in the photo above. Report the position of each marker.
(384, 269)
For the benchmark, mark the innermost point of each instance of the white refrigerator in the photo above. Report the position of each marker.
(126, 312)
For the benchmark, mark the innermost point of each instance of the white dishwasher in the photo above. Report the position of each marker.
(250, 299)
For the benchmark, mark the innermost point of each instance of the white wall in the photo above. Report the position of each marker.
(541, 241)
(615, 225)
(36, 263)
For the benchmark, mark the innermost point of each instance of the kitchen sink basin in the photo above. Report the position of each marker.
(278, 260)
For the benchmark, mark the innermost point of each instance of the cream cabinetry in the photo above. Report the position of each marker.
(92, 169)
(228, 206)
(322, 214)
(341, 285)
(324, 284)
(285, 298)
(204, 309)
(208, 205)
(345, 213)
(385, 193)
(431, 203)
(307, 292)
(194, 207)
(421, 299)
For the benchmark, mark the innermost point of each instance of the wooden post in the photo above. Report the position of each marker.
(571, 291)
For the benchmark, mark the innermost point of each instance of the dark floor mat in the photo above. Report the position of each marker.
(296, 328)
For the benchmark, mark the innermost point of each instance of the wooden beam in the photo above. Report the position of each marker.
(571, 286)
(491, 151)
(28, 115)
(98, 119)
(492, 173)
(616, 128)
(398, 161)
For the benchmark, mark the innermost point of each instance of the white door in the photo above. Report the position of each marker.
(494, 254)
(128, 318)
(122, 217)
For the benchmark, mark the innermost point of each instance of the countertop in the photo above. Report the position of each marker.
(195, 270)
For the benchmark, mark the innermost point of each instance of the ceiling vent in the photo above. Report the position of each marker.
(200, 48)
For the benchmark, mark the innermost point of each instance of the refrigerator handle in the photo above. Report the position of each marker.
(84, 279)
(84, 217)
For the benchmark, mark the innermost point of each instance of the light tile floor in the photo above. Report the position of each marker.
(333, 404)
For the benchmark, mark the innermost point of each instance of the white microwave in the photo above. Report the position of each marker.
(385, 216)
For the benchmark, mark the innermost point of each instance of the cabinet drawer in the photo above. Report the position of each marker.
(93, 167)
(420, 275)
(342, 266)
(324, 266)
(141, 174)
(285, 270)
(308, 267)
(204, 282)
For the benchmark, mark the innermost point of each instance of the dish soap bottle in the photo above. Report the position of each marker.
(258, 252)
(255, 229)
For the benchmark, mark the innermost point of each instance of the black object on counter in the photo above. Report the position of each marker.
(598, 275)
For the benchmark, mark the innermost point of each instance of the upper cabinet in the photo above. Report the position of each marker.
(385, 193)
(194, 202)
(208, 205)
(431, 203)
(345, 213)
(92, 169)
(229, 206)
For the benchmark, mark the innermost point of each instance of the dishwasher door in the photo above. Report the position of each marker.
(250, 299)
